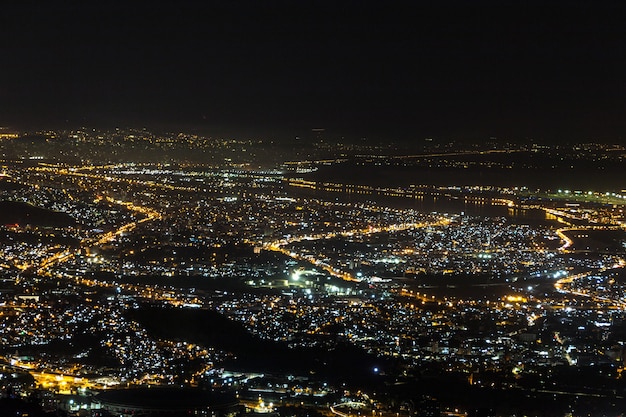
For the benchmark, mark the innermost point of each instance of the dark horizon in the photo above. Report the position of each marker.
(394, 71)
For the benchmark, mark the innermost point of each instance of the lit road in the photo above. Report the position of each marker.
(567, 241)
(144, 214)
(563, 285)
(64, 383)
(278, 246)
(561, 342)
(104, 238)
(356, 408)
(344, 409)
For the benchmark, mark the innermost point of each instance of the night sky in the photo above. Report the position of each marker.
(392, 70)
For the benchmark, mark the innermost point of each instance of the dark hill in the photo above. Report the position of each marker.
(15, 212)
(209, 328)
(7, 185)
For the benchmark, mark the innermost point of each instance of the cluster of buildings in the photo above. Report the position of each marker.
(493, 302)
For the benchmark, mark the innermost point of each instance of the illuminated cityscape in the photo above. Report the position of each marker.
(329, 208)
(284, 289)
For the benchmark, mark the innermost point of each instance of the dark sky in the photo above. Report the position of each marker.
(386, 69)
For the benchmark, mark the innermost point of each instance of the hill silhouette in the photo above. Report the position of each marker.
(210, 328)
(16, 212)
